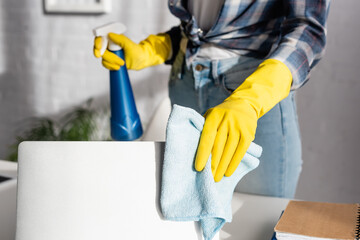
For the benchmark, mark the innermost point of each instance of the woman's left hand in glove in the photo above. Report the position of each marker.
(230, 127)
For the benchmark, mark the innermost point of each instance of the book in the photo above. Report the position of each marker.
(304, 220)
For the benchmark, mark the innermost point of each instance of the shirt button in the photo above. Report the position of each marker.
(199, 67)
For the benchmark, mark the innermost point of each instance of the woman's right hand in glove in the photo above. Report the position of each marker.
(153, 50)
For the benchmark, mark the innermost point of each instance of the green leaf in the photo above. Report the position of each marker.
(78, 125)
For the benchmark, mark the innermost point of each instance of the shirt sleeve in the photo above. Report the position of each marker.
(175, 36)
(303, 37)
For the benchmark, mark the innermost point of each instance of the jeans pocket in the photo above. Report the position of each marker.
(235, 76)
(232, 80)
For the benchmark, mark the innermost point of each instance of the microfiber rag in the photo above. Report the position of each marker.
(188, 195)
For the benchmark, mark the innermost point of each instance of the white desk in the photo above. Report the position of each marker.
(254, 217)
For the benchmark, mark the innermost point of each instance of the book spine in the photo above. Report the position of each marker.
(357, 230)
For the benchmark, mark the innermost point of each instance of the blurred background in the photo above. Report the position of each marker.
(47, 70)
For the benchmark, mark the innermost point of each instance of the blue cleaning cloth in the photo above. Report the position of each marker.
(188, 195)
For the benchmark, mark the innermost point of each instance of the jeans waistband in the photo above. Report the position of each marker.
(205, 70)
(216, 67)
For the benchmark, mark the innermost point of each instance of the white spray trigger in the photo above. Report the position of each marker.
(103, 31)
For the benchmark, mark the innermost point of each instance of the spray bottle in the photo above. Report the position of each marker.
(125, 120)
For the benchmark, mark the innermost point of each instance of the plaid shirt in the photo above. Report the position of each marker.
(292, 31)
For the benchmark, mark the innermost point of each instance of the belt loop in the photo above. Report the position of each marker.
(214, 71)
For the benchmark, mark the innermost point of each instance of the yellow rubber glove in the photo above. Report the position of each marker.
(152, 51)
(230, 127)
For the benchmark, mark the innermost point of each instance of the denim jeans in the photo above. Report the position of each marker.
(207, 83)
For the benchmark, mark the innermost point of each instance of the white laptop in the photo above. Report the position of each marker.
(93, 191)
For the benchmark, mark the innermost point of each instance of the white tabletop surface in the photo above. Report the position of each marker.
(8, 200)
(8, 169)
(254, 217)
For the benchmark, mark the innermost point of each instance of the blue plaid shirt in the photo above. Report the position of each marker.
(292, 31)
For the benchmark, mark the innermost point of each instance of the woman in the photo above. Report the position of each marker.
(239, 62)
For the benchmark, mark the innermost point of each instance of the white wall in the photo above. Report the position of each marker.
(329, 113)
(47, 66)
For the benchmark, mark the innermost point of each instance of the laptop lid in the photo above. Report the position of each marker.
(92, 191)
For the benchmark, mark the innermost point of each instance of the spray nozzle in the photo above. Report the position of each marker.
(103, 31)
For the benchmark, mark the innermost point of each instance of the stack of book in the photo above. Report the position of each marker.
(304, 220)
